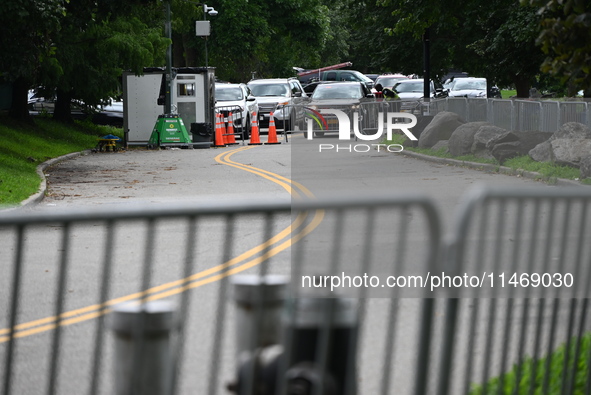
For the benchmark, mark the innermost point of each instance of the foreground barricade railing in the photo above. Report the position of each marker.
(336, 296)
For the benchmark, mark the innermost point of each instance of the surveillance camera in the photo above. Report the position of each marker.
(213, 12)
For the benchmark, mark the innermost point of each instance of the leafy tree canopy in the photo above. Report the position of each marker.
(566, 40)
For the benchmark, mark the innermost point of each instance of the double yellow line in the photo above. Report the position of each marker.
(303, 224)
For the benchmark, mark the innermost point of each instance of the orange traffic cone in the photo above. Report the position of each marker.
(272, 135)
(219, 135)
(254, 133)
(230, 139)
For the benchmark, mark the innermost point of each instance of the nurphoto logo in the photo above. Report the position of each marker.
(344, 128)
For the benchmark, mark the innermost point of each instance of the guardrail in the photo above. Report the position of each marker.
(516, 115)
(140, 299)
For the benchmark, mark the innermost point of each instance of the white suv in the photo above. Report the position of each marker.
(236, 98)
(282, 96)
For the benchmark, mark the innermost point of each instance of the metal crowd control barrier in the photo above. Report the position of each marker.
(86, 297)
(239, 118)
(516, 115)
(524, 328)
(78, 292)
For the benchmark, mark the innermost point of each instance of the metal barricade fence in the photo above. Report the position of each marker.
(525, 327)
(66, 273)
(575, 112)
(239, 118)
(501, 113)
(516, 115)
(529, 114)
(477, 110)
(550, 117)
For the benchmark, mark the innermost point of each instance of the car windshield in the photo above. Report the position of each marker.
(269, 90)
(228, 94)
(469, 85)
(388, 82)
(411, 86)
(337, 92)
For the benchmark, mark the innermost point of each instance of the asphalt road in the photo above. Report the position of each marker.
(166, 177)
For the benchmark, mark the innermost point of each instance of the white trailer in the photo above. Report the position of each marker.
(192, 97)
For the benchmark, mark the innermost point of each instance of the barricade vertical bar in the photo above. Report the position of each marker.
(366, 265)
(394, 304)
(221, 310)
(510, 302)
(474, 314)
(189, 268)
(59, 308)
(493, 303)
(140, 323)
(103, 297)
(153, 374)
(16, 284)
(579, 258)
(555, 302)
(324, 336)
(573, 303)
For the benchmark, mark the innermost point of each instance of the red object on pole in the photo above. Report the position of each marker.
(333, 67)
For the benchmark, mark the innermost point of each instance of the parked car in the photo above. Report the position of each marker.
(309, 88)
(232, 97)
(389, 80)
(346, 75)
(281, 96)
(413, 89)
(110, 113)
(467, 87)
(344, 96)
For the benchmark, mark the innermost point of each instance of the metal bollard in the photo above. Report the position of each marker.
(143, 350)
(269, 292)
(322, 346)
(317, 355)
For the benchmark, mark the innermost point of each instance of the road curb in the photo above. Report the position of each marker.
(38, 196)
(494, 169)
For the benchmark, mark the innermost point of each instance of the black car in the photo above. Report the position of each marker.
(343, 96)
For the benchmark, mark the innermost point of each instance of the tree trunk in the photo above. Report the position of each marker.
(190, 52)
(62, 111)
(522, 85)
(178, 56)
(19, 109)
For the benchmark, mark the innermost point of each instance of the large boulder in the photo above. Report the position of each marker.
(441, 145)
(441, 128)
(543, 152)
(482, 137)
(461, 140)
(511, 144)
(585, 167)
(569, 151)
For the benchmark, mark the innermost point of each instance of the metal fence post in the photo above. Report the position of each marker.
(143, 349)
(259, 305)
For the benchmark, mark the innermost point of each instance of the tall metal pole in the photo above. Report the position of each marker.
(205, 13)
(426, 66)
(168, 32)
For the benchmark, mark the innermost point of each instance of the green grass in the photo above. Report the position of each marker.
(547, 170)
(24, 146)
(543, 373)
(507, 93)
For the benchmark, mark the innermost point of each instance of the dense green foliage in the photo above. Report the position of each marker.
(78, 49)
(563, 371)
(566, 39)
